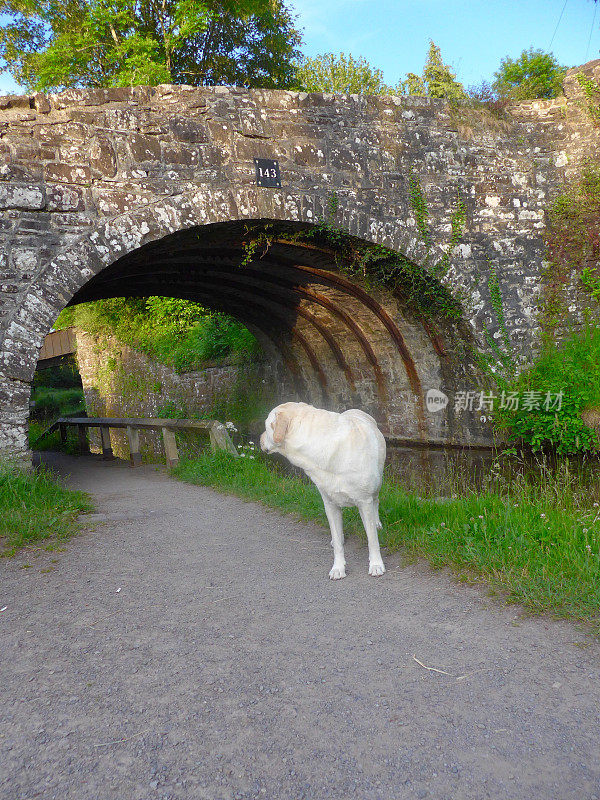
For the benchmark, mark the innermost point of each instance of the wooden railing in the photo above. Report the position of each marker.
(216, 431)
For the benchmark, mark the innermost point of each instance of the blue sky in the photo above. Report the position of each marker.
(474, 35)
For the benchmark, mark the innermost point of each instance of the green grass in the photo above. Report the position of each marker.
(34, 507)
(52, 402)
(52, 441)
(537, 541)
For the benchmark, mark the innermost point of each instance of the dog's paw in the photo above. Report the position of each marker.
(335, 573)
(376, 569)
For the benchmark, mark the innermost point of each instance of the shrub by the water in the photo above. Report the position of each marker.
(573, 368)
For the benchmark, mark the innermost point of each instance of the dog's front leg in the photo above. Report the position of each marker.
(370, 517)
(334, 516)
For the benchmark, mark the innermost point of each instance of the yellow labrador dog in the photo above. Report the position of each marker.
(343, 455)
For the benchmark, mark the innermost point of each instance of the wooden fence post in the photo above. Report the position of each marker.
(220, 439)
(107, 452)
(133, 436)
(171, 452)
(84, 446)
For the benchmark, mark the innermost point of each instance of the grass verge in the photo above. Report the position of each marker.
(536, 542)
(34, 507)
(53, 440)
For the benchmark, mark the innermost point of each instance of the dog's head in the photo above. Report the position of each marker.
(276, 428)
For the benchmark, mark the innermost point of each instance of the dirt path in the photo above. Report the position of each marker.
(189, 645)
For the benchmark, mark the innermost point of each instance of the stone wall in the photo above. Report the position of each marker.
(119, 381)
(92, 180)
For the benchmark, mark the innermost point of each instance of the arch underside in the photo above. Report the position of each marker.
(339, 344)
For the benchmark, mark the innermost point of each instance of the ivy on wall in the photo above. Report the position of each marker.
(573, 249)
(591, 92)
(418, 286)
(572, 365)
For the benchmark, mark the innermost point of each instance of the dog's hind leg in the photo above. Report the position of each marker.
(370, 517)
(334, 516)
(378, 524)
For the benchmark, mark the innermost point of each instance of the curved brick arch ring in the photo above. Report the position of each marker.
(114, 238)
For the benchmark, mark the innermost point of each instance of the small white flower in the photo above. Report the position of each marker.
(588, 548)
(585, 530)
(543, 516)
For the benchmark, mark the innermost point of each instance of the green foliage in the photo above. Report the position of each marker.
(591, 91)
(34, 507)
(177, 332)
(503, 351)
(55, 402)
(340, 73)
(573, 246)
(417, 286)
(52, 441)
(61, 376)
(537, 541)
(437, 80)
(534, 74)
(573, 368)
(418, 202)
(349, 75)
(457, 225)
(56, 44)
(414, 84)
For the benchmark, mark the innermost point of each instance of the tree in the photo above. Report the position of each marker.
(342, 74)
(534, 74)
(55, 44)
(438, 80)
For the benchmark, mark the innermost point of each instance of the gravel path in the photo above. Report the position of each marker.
(188, 645)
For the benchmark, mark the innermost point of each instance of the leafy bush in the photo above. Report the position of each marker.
(572, 368)
(342, 74)
(534, 74)
(177, 332)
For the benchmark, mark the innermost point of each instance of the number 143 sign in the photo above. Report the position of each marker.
(267, 173)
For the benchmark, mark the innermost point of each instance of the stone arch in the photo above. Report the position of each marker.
(339, 354)
(110, 239)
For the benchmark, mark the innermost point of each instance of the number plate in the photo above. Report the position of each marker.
(267, 173)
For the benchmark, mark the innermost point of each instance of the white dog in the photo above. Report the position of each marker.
(343, 455)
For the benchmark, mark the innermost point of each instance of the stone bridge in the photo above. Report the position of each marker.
(152, 191)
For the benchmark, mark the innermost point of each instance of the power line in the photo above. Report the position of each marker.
(558, 23)
(591, 30)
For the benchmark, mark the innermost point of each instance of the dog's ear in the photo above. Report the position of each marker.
(282, 421)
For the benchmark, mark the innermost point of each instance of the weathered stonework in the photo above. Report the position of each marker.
(119, 381)
(92, 180)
